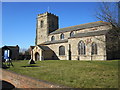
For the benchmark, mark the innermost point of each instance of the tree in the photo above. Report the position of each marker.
(110, 12)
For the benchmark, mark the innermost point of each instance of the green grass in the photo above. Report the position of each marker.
(76, 74)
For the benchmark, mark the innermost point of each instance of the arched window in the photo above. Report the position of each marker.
(42, 23)
(62, 36)
(71, 34)
(61, 50)
(81, 48)
(94, 48)
(52, 38)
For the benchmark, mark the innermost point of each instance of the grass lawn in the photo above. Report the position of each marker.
(76, 74)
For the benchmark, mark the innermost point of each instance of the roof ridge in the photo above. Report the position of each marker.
(60, 29)
(85, 24)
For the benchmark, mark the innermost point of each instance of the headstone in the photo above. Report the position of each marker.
(31, 61)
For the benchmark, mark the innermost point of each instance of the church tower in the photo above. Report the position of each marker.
(46, 23)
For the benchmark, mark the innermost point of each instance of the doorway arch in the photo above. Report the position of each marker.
(37, 56)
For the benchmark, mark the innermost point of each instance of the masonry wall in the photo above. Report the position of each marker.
(35, 50)
(67, 34)
(99, 40)
(73, 42)
(50, 24)
(55, 48)
(42, 37)
(20, 81)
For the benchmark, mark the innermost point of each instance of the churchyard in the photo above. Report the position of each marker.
(75, 74)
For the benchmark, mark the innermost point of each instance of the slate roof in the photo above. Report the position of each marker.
(96, 33)
(81, 26)
(78, 35)
(45, 48)
(55, 41)
(10, 47)
(32, 47)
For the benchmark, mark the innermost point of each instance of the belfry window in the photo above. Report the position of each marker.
(61, 50)
(42, 24)
(52, 24)
(52, 38)
(81, 48)
(94, 49)
(71, 34)
(62, 36)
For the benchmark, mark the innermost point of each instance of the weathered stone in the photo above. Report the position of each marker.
(44, 36)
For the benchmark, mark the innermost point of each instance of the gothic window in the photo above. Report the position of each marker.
(52, 38)
(61, 50)
(71, 34)
(42, 23)
(81, 48)
(62, 36)
(94, 48)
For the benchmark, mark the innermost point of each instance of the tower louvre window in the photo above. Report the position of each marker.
(42, 24)
(52, 24)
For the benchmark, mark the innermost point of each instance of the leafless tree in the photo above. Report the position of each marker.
(110, 12)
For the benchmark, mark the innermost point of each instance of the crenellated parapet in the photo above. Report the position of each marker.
(47, 14)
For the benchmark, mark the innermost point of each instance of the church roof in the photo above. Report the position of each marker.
(96, 33)
(81, 26)
(55, 41)
(45, 48)
(32, 47)
(78, 35)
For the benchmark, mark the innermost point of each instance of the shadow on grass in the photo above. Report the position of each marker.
(5, 66)
(30, 66)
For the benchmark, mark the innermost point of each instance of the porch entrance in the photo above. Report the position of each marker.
(37, 56)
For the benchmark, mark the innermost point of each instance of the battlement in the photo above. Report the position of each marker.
(46, 14)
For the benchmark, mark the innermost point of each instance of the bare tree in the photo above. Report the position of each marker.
(109, 12)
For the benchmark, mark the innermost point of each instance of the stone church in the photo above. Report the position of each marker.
(81, 42)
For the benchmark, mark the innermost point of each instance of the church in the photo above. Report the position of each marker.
(80, 42)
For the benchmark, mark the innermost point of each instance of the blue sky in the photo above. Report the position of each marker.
(19, 19)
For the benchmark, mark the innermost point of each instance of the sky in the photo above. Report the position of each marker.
(19, 18)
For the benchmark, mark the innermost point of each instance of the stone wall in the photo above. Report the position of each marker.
(43, 35)
(55, 48)
(67, 34)
(37, 50)
(73, 42)
(50, 24)
(101, 48)
(20, 81)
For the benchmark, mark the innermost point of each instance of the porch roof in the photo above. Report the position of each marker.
(45, 48)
